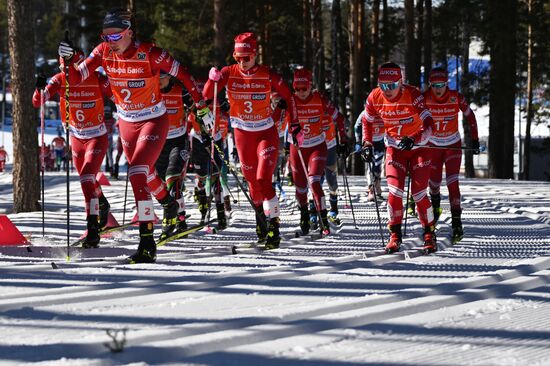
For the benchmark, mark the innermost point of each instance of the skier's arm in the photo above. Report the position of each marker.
(208, 91)
(337, 117)
(279, 85)
(86, 67)
(368, 118)
(358, 127)
(161, 60)
(53, 87)
(423, 112)
(469, 114)
(105, 87)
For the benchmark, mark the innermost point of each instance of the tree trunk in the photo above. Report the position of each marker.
(260, 16)
(335, 49)
(418, 42)
(385, 30)
(219, 33)
(502, 87)
(307, 35)
(527, 144)
(318, 45)
(427, 39)
(357, 41)
(26, 187)
(469, 171)
(375, 37)
(409, 41)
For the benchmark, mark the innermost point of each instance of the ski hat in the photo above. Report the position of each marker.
(78, 57)
(438, 75)
(302, 78)
(245, 44)
(389, 73)
(117, 18)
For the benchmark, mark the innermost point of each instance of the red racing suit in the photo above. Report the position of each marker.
(143, 123)
(445, 133)
(406, 115)
(255, 133)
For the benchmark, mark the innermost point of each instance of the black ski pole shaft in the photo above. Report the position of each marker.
(346, 186)
(67, 116)
(376, 204)
(460, 148)
(42, 157)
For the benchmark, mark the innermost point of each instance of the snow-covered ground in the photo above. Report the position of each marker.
(335, 301)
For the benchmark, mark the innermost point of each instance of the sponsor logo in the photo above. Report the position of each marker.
(88, 105)
(136, 83)
(125, 142)
(148, 138)
(242, 45)
(141, 56)
(245, 167)
(389, 72)
(161, 57)
(258, 96)
(267, 151)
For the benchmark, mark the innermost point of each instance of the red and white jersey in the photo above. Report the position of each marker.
(310, 116)
(407, 115)
(249, 95)
(444, 111)
(3, 155)
(333, 122)
(173, 100)
(135, 79)
(85, 103)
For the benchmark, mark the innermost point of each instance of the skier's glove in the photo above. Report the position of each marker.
(65, 50)
(41, 81)
(214, 74)
(367, 154)
(206, 117)
(185, 155)
(286, 149)
(475, 147)
(406, 143)
(343, 149)
(297, 135)
(282, 104)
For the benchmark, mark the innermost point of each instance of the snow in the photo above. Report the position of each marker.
(335, 301)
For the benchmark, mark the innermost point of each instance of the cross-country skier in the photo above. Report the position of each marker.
(59, 147)
(249, 87)
(309, 145)
(408, 125)
(3, 158)
(133, 69)
(88, 136)
(175, 151)
(444, 105)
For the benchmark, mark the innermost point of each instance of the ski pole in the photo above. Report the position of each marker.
(125, 198)
(407, 204)
(376, 203)
(67, 116)
(310, 187)
(43, 148)
(346, 187)
(461, 148)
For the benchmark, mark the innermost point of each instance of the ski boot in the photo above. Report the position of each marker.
(92, 236)
(411, 209)
(333, 213)
(304, 220)
(273, 238)
(313, 216)
(170, 216)
(290, 180)
(436, 204)
(222, 220)
(430, 242)
(115, 171)
(147, 249)
(456, 223)
(325, 228)
(371, 196)
(104, 208)
(227, 204)
(202, 200)
(261, 227)
(395, 239)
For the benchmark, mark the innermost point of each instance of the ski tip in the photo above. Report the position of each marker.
(54, 266)
(29, 249)
(296, 234)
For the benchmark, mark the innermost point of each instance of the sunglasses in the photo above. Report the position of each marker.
(438, 85)
(243, 58)
(301, 90)
(388, 86)
(114, 37)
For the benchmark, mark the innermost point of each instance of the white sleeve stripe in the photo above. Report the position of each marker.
(175, 68)
(83, 71)
(425, 114)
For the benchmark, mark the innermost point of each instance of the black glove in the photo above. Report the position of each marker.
(206, 139)
(224, 106)
(367, 154)
(295, 134)
(41, 82)
(343, 150)
(281, 104)
(475, 147)
(406, 143)
(286, 149)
